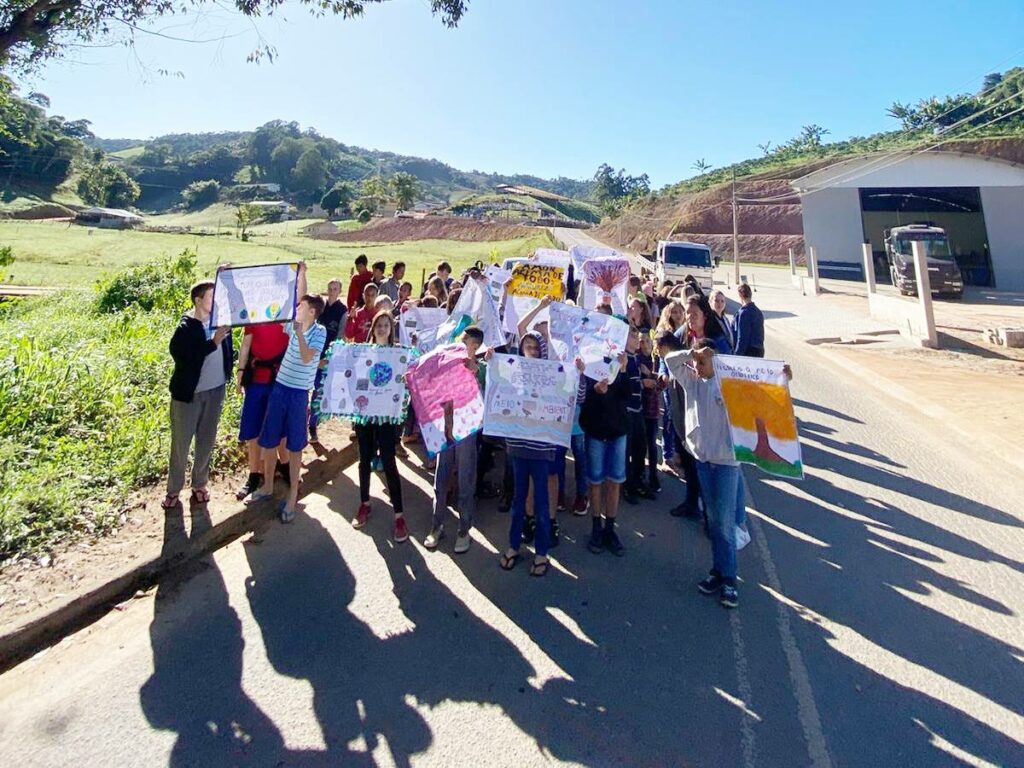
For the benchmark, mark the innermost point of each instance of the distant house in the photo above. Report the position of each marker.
(108, 218)
(270, 187)
(273, 206)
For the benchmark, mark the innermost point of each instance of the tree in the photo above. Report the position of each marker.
(32, 31)
(108, 185)
(766, 148)
(701, 166)
(373, 194)
(613, 189)
(245, 216)
(992, 79)
(200, 194)
(339, 197)
(405, 188)
(284, 158)
(310, 172)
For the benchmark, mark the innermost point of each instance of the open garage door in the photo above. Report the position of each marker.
(956, 209)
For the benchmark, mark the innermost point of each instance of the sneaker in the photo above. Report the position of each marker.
(612, 543)
(401, 530)
(581, 506)
(729, 597)
(687, 509)
(434, 538)
(362, 515)
(644, 492)
(711, 585)
(629, 495)
(596, 542)
(255, 481)
(462, 542)
(529, 529)
(561, 503)
(555, 533)
(655, 484)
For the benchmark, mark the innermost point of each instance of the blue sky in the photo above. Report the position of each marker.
(550, 87)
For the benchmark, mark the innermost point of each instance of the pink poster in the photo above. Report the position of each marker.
(437, 378)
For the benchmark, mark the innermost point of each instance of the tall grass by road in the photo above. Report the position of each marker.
(84, 406)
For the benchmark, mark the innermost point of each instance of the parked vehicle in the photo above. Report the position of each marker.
(943, 272)
(674, 260)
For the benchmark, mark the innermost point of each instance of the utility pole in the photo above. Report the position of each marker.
(735, 232)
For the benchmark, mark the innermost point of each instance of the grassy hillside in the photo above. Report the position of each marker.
(54, 254)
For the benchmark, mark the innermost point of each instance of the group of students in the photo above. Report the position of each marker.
(615, 432)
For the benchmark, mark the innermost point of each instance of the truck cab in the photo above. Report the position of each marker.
(943, 272)
(675, 259)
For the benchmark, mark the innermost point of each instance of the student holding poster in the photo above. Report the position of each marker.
(379, 438)
(202, 365)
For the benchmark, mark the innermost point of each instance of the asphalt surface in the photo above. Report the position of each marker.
(879, 625)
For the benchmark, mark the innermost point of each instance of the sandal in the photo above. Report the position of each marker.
(508, 562)
(199, 496)
(540, 567)
(170, 501)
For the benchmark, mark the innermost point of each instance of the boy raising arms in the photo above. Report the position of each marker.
(288, 405)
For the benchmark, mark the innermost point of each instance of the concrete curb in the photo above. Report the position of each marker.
(27, 638)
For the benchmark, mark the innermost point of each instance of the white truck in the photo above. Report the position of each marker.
(675, 259)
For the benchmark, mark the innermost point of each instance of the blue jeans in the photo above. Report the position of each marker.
(461, 459)
(579, 458)
(721, 487)
(523, 470)
(668, 444)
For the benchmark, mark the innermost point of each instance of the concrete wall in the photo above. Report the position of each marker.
(1004, 219)
(832, 224)
(905, 314)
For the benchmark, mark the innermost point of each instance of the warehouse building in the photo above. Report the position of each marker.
(978, 200)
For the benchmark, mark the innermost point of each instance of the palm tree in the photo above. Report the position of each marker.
(702, 166)
(405, 188)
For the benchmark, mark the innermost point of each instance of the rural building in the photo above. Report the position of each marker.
(978, 200)
(108, 218)
(273, 206)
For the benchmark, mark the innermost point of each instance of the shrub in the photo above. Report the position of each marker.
(163, 285)
(200, 194)
(364, 216)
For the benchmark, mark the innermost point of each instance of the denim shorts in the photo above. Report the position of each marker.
(287, 410)
(254, 409)
(606, 460)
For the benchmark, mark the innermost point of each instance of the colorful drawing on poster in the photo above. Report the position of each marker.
(418, 327)
(606, 281)
(530, 399)
(535, 281)
(594, 337)
(474, 307)
(761, 417)
(436, 379)
(366, 383)
(579, 254)
(253, 295)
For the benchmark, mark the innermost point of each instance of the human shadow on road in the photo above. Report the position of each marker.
(878, 557)
(196, 686)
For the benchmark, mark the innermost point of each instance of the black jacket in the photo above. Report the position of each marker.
(189, 348)
(604, 416)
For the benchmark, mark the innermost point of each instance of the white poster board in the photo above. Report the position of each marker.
(366, 383)
(606, 281)
(423, 323)
(597, 339)
(254, 295)
(530, 399)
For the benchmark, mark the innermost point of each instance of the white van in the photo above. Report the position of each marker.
(676, 259)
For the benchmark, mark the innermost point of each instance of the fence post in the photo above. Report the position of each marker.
(869, 267)
(924, 295)
(812, 266)
(792, 262)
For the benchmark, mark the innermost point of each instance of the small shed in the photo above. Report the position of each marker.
(108, 218)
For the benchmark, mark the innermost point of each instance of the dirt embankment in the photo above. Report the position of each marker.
(767, 230)
(430, 228)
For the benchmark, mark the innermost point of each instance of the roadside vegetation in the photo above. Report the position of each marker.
(83, 404)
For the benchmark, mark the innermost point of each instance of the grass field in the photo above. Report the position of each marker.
(62, 255)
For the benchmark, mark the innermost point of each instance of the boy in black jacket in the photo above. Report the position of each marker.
(202, 365)
(604, 422)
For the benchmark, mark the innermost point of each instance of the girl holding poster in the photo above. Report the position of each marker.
(380, 437)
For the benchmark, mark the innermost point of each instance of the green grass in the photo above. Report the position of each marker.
(60, 255)
(130, 153)
(83, 417)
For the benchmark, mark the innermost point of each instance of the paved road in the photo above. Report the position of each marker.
(879, 626)
(570, 237)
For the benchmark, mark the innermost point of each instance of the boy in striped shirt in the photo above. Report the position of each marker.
(288, 405)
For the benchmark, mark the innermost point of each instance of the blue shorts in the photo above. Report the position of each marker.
(606, 460)
(287, 411)
(254, 410)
